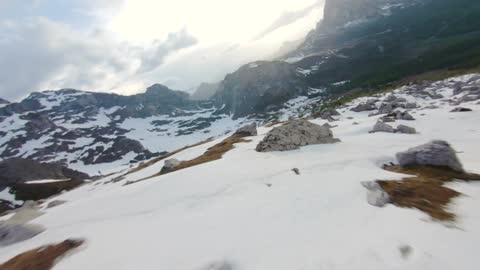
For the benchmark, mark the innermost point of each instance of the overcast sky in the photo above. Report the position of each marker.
(123, 46)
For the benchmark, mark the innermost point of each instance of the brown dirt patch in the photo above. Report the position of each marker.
(213, 153)
(425, 190)
(160, 158)
(42, 258)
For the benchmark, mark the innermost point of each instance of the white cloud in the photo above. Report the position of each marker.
(126, 45)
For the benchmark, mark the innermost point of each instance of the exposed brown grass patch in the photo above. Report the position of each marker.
(425, 190)
(42, 258)
(213, 153)
(162, 157)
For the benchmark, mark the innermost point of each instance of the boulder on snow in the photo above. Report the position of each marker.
(406, 129)
(461, 109)
(363, 107)
(327, 114)
(404, 116)
(376, 196)
(11, 234)
(434, 153)
(382, 127)
(170, 165)
(55, 203)
(247, 130)
(294, 134)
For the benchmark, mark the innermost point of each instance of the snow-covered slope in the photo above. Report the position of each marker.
(250, 211)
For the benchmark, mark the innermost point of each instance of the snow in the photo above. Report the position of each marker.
(45, 181)
(7, 196)
(225, 211)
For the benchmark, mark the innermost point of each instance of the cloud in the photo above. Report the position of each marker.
(39, 54)
(288, 18)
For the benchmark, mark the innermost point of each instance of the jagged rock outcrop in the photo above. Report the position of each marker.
(293, 134)
(259, 87)
(435, 153)
(340, 12)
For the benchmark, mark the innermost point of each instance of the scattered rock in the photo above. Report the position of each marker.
(294, 134)
(327, 114)
(170, 165)
(411, 105)
(329, 126)
(55, 203)
(376, 196)
(363, 107)
(461, 109)
(406, 130)
(247, 130)
(404, 116)
(355, 123)
(382, 127)
(220, 265)
(405, 251)
(296, 171)
(435, 153)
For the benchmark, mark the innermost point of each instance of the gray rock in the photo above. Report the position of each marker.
(55, 203)
(376, 196)
(294, 134)
(435, 153)
(404, 116)
(385, 108)
(406, 129)
(411, 105)
(220, 265)
(382, 127)
(461, 109)
(363, 107)
(170, 165)
(247, 130)
(469, 98)
(328, 114)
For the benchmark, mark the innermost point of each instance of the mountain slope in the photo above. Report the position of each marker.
(248, 210)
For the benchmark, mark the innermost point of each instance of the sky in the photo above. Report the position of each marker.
(123, 46)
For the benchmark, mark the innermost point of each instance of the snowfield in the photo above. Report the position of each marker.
(250, 211)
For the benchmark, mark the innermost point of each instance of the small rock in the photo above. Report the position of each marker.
(170, 165)
(406, 129)
(435, 153)
(247, 130)
(461, 109)
(405, 251)
(296, 171)
(376, 196)
(382, 127)
(55, 203)
(364, 107)
(404, 116)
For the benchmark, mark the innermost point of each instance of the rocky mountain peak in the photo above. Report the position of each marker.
(339, 12)
(3, 101)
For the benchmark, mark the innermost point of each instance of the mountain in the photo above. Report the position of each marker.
(80, 128)
(3, 102)
(309, 208)
(205, 91)
(259, 87)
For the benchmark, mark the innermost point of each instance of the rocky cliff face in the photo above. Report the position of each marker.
(259, 87)
(205, 91)
(340, 12)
